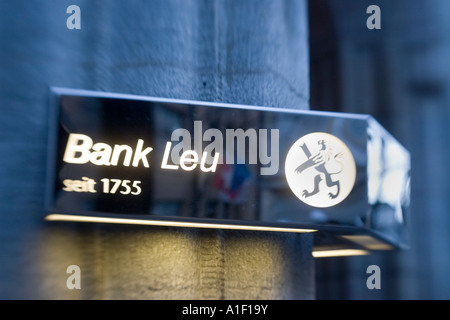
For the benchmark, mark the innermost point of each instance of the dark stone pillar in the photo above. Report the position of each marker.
(248, 52)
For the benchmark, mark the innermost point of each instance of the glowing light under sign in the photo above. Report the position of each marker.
(339, 253)
(75, 218)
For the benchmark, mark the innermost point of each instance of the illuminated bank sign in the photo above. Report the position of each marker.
(130, 159)
(80, 149)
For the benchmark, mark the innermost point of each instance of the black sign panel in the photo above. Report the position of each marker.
(131, 159)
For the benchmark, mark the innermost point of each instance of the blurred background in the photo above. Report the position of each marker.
(400, 74)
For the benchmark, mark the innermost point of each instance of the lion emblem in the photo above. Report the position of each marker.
(320, 162)
(320, 169)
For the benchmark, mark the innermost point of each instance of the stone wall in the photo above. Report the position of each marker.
(248, 52)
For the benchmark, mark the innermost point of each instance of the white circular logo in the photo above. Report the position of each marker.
(320, 170)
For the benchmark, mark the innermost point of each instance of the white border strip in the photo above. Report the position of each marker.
(101, 94)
